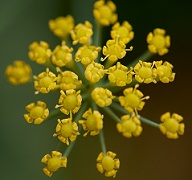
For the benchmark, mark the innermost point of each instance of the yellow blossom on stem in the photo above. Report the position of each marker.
(40, 52)
(87, 54)
(130, 126)
(102, 97)
(93, 122)
(65, 130)
(132, 100)
(105, 12)
(108, 164)
(54, 162)
(45, 82)
(144, 72)
(81, 33)
(171, 125)
(94, 72)
(67, 80)
(122, 32)
(164, 71)
(38, 112)
(158, 42)
(119, 75)
(69, 101)
(62, 55)
(62, 26)
(114, 50)
(18, 73)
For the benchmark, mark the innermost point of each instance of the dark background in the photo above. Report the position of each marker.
(150, 156)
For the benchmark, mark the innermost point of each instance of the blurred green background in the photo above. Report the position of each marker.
(152, 155)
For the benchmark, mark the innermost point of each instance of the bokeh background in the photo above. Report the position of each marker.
(150, 156)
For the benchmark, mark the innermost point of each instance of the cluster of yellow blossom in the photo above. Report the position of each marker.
(87, 82)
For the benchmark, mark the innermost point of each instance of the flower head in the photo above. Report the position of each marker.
(62, 55)
(65, 130)
(132, 99)
(54, 162)
(102, 97)
(38, 112)
(45, 81)
(144, 72)
(18, 73)
(62, 26)
(108, 163)
(119, 75)
(93, 122)
(164, 71)
(87, 54)
(171, 125)
(130, 126)
(69, 101)
(158, 42)
(105, 12)
(122, 32)
(82, 33)
(40, 52)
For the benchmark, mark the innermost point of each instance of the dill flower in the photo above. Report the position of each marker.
(54, 162)
(18, 73)
(108, 164)
(38, 112)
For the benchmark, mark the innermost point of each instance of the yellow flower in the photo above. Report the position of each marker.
(130, 126)
(94, 72)
(119, 75)
(108, 163)
(93, 122)
(82, 33)
(18, 73)
(114, 50)
(69, 101)
(65, 130)
(87, 54)
(164, 71)
(62, 55)
(144, 72)
(40, 52)
(54, 162)
(37, 112)
(171, 125)
(105, 12)
(132, 99)
(158, 42)
(67, 80)
(45, 82)
(122, 32)
(102, 97)
(61, 26)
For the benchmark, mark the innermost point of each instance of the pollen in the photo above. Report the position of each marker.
(62, 26)
(93, 122)
(82, 33)
(54, 162)
(105, 12)
(45, 82)
(108, 164)
(38, 112)
(40, 52)
(18, 73)
(66, 130)
(102, 96)
(158, 42)
(171, 125)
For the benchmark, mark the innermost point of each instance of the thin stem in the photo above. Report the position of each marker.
(53, 113)
(102, 141)
(112, 114)
(144, 120)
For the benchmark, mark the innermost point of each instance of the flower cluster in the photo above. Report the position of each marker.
(87, 81)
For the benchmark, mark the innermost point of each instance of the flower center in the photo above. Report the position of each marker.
(159, 41)
(36, 112)
(66, 130)
(171, 125)
(40, 51)
(61, 55)
(54, 164)
(129, 126)
(108, 163)
(91, 123)
(164, 70)
(19, 72)
(45, 82)
(132, 100)
(115, 49)
(105, 12)
(70, 102)
(145, 72)
(120, 75)
(122, 32)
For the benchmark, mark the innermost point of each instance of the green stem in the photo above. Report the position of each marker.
(112, 114)
(142, 119)
(53, 113)
(102, 141)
